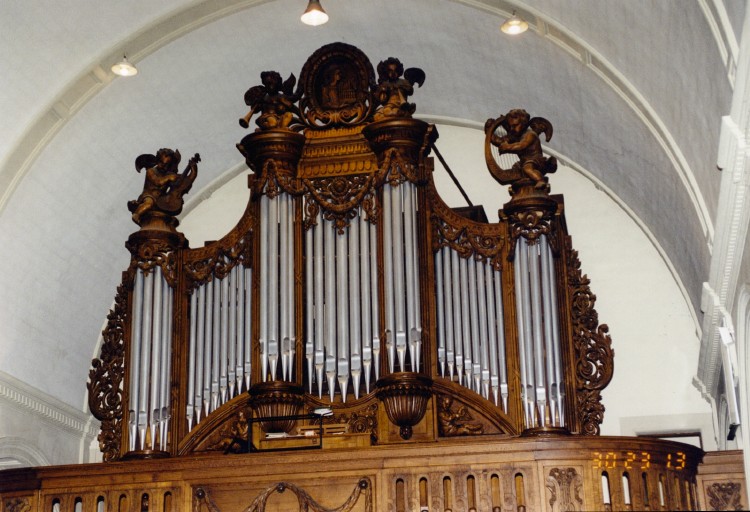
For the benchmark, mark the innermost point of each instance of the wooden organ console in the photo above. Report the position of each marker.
(354, 343)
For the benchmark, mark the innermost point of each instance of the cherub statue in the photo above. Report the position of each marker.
(164, 186)
(392, 90)
(522, 139)
(275, 101)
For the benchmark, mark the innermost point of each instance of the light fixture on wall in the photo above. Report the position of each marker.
(314, 14)
(514, 25)
(124, 68)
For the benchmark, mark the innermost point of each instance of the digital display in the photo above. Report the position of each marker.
(637, 460)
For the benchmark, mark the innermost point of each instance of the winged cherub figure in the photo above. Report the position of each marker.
(164, 186)
(274, 100)
(392, 90)
(522, 139)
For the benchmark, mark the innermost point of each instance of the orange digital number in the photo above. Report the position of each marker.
(680, 462)
(631, 458)
(597, 460)
(669, 461)
(645, 460)
(610, 460)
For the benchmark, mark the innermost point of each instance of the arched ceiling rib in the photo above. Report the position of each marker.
(607, 102)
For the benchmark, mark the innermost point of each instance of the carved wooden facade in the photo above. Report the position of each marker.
(350, 310)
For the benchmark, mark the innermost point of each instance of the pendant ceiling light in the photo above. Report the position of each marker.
(124, 68)
(514, 25)
(314, 14)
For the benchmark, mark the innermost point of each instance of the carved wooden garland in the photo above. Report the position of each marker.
(465, 237)
(592, 345)
(107, 373)
(305, 501)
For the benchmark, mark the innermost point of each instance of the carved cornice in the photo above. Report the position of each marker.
(592, 346)
(106, 376)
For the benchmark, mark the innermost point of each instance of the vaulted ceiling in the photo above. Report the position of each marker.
(635, 90)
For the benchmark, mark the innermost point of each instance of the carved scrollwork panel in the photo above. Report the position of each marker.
(592, 345)
(219, 262)
(564, 490)
(107, 374)
(725, 496)
(150, 253)
(21, 504)
(363, 489)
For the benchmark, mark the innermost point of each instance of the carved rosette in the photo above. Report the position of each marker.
(592, 345)
(277, 400)
(405, 397)
(725, 496)
(564, 490)
(106, 377)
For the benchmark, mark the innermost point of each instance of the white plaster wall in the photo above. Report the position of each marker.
(653, 331)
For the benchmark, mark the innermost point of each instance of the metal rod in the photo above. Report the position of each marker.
(453, 176)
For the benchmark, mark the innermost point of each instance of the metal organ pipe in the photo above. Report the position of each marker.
(412, 301)
(450, 353)
(375, 317)
(390, 327)
(309, 308)
(354, 302)
(283, 335)
(457, 327)
(538, 335)
(552, 319)
(523, 334)
(466, 322)
(319, 305)
(440, 312)
(364, 254)
(342, 313)
(330, 306)
(474, 323)
(264, 276)
(398, 270)
(135, 358)
(273, 285)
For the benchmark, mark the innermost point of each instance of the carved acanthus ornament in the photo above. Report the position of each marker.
(106, 377)
(531, 225)
(725, 496)
(592, 345)
(220, 262)
(305, 501)
(564, 490)
(153, 252)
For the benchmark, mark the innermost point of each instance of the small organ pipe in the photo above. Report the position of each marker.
(224, 352)
(166, 363)
(248, 325)
(232, 331)
(147, 341)
(192, 361)
(483, 336)
(200, 337)
(492, 340)
(556, 355)
(155, 377)
(208, 349)
(216, 344)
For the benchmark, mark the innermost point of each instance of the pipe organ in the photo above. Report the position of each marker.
(350, 296)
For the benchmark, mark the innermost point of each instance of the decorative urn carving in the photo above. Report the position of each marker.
(405, 397)
(279, 402)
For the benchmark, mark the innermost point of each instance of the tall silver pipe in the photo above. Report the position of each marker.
(273, 286)
(200, 340)
(457, 316)
(417, 327)
(398, 271)
(374, 302)
(318, 229)
(531, 384)
(248, 324)
(283, 333)
(410, 273)
(310, 305)
(555, 328)
(440, 294)
(366, 312)
(330, 306)
(342, 313)
(147, 341)
(390, 318)
(166, 363)
(216, 344)
(224, 348)
(450, 351)
(502, 364)
(476, 368)
(537, 313)
(208, 347)
(192, 362)
(492, 342)
(523, 335)
(154, 407)
(355, 299)
(264, 284)
(135, 358)
(290, 350)
(465, 320)
(233, 307)
(484, 357)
